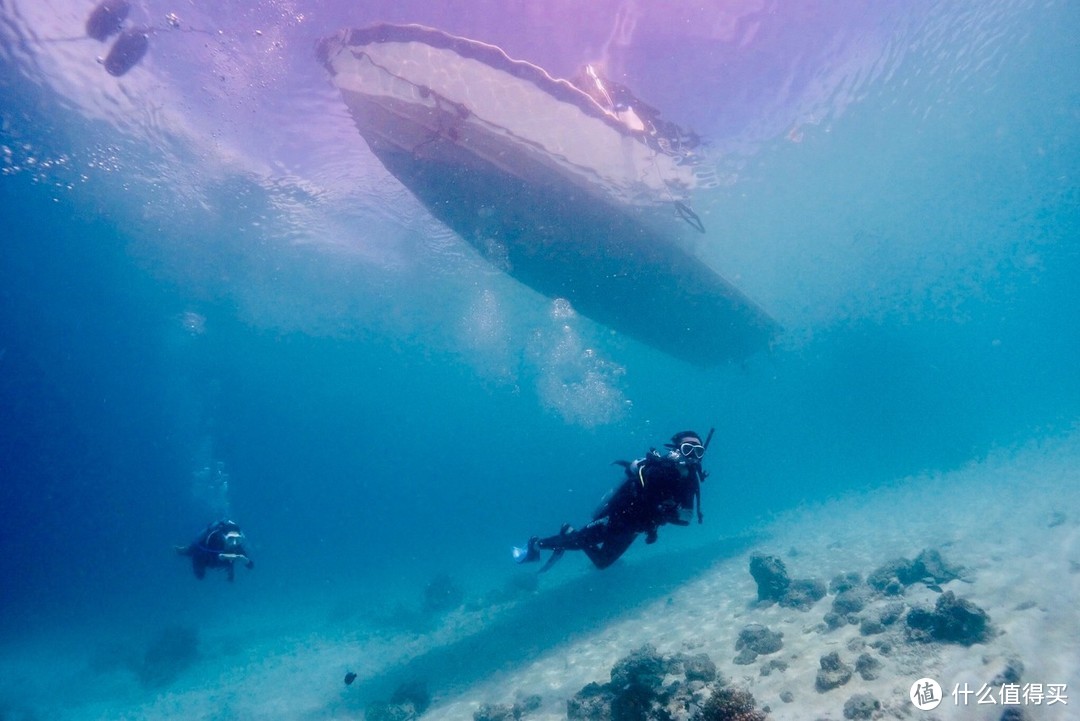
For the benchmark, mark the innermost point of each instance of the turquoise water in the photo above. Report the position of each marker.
(201, 263)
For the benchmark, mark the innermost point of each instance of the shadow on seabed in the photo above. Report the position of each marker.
(547, 619)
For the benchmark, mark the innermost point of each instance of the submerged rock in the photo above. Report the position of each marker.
(803, 593)
(527, 704)
(850, 600)
(891, 613)
(756, 639)
(698, 667)
(771, 576)
(773, 664)
(774, 584)
(643, 667)
(745, 657)
(845, 581)
(507, 712)
(930, 564)
(867, 666)
(591, 703)
(731, 704)
(953, 620)
(637, 691)
(832, 674)
(871, 626)
(886, 577)
(928, 568)
(883, 646)
(861, 706)
(1014, 669)
(494, 712)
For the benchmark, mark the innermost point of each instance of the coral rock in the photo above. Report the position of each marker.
(861, 706)
(771, 576)
(953, 620)
(730, 704)
(833, 673)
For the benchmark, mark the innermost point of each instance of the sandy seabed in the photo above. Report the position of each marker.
(1011, 521)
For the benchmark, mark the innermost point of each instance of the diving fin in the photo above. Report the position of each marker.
(555, 556)
(566, 530)
(529, 554)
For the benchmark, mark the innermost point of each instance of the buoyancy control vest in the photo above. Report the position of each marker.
(652, 482)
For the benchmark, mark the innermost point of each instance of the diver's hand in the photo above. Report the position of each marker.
(667, 512)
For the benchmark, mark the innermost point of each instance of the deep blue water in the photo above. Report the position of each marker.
(905, 202)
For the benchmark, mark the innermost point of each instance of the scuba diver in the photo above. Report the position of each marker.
(660, 488)
(219, 546)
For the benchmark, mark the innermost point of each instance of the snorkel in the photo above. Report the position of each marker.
(701, 474)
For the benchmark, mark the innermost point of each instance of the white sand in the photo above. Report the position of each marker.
(1012, 521)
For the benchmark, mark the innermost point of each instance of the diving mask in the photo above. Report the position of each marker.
(690, 449)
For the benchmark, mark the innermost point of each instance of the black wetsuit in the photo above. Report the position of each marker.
(209, 550)
(656, 491)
